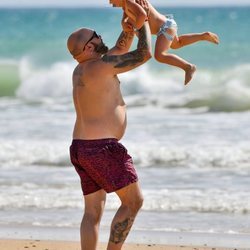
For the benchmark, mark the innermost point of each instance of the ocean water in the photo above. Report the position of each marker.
(191, 145)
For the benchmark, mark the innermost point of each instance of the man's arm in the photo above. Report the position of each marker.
(125, 39)
(116, 64)
(134, 58)
(122, 63)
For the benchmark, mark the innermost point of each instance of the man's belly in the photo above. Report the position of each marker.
(113, 125)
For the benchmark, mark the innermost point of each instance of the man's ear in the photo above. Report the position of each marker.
(90, 47)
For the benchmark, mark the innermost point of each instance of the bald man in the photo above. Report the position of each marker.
(102, 162)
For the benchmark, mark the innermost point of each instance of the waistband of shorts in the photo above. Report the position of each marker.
(94, 142)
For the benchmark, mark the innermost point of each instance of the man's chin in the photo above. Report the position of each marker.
(102, 50)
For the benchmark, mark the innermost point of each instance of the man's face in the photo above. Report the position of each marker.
(116, 3)
(101, 47)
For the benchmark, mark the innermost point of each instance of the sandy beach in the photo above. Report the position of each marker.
(67, 245)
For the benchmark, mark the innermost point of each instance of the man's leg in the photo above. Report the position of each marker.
(94, 206)
(131, 201)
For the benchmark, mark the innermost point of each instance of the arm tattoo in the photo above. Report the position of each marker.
(124, 37)
(128, 59)
(131, 58)
(143, 42)
(120, 230)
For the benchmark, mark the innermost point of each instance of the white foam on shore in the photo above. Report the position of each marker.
(239, 241)
(214, 90)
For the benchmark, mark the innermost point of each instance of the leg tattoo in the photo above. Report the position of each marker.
(120, 230)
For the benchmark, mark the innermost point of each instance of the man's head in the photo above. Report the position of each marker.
(85, 41)
(116, 3)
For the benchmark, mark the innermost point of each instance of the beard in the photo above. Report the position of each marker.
(101, 48)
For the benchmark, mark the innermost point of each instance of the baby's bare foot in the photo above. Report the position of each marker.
(211, 37)
(189, 73)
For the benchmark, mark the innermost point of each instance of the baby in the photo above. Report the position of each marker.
(165, 28)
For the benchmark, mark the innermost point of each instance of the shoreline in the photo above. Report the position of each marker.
(21, 234)
(13, 244)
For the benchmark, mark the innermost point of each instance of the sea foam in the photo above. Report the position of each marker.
(214, 90)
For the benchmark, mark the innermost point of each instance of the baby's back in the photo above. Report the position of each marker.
(155, 19)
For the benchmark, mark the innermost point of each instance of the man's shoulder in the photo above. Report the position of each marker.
(78, 70)
(84, 66)
(92, 70)
(100, 67)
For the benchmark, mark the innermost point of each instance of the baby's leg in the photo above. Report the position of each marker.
(188, 39)
(161, 55)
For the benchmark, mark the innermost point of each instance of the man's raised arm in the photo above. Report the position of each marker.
(125, 39)
(116, 64)
(123, 43)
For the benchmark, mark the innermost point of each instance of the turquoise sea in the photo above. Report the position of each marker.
(191, 145)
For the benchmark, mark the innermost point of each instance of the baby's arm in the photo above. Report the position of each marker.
(137, 15)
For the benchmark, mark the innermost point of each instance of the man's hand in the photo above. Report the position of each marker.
(144, 5)
(126, 25)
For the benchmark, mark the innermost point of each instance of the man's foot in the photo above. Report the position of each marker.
(211, 37)
(189, 73)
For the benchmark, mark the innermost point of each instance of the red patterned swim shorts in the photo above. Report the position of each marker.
(102, 164)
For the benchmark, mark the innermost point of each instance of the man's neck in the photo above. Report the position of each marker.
(88, 59)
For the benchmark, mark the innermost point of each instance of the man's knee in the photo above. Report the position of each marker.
(131, 197)
(92, 218)
(134, 203)
(139, 202)
(93, 214)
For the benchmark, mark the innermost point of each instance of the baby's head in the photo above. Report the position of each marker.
(116, 3)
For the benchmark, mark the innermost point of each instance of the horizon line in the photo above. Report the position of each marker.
(105, 6)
